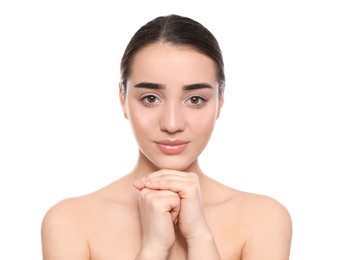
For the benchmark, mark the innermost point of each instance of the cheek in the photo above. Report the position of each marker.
(203, 121)
(142, 122)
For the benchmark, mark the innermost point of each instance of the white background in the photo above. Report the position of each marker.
(63, 133)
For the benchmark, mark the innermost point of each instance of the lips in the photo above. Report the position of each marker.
(172, 147)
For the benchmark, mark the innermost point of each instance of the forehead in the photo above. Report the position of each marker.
(170, 64)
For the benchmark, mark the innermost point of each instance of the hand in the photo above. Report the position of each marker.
(159, 211)
(191, 219)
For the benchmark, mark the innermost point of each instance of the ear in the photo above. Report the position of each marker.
(221, 100)
(122, 96)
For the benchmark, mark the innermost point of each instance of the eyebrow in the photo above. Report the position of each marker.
(149, 85)
(197, 86)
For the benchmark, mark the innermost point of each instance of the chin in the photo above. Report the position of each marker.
(173, 164)
(180, 162)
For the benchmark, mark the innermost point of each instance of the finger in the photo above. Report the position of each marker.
(145, 181)
(185, 189)
(163, 200)
(167, 172)
(151, 178)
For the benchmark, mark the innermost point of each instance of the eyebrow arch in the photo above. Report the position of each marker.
(197, 86)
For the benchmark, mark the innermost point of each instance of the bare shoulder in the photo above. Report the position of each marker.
(67, 210)
(62, 231)
(267, 226)
(251, 206)
(261, 225)
(246, 203)
(258, 207)
(70, 211)
(68, 225)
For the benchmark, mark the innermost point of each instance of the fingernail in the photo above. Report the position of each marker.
(138, 183)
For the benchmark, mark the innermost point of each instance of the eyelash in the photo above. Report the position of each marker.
(201, 101)
(148, 103)
(145, 101)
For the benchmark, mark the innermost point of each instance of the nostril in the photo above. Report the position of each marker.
(173, 122)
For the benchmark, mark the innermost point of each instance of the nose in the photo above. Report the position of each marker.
(172, 118)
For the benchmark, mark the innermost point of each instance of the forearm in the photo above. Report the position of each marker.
(203, 248)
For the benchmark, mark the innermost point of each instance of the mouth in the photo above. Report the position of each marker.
(172, 147)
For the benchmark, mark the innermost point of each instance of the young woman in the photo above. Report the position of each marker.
(171, 91)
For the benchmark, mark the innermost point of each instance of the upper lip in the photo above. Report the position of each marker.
(172, 142)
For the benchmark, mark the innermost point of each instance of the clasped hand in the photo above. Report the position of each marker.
(168, 198)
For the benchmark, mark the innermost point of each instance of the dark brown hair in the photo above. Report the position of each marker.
(177, 30)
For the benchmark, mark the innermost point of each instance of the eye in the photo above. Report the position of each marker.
(150, 100)
(196, 100)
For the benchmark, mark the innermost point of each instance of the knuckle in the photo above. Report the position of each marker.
(155, 203)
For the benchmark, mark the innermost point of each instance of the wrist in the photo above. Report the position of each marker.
(149, 253)
(200, 240)
(203, 247)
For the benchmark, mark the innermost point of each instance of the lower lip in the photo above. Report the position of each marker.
(172, 149)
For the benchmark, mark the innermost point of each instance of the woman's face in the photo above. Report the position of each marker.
(172, 103)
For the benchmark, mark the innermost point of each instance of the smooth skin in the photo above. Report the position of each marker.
(166, 207)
